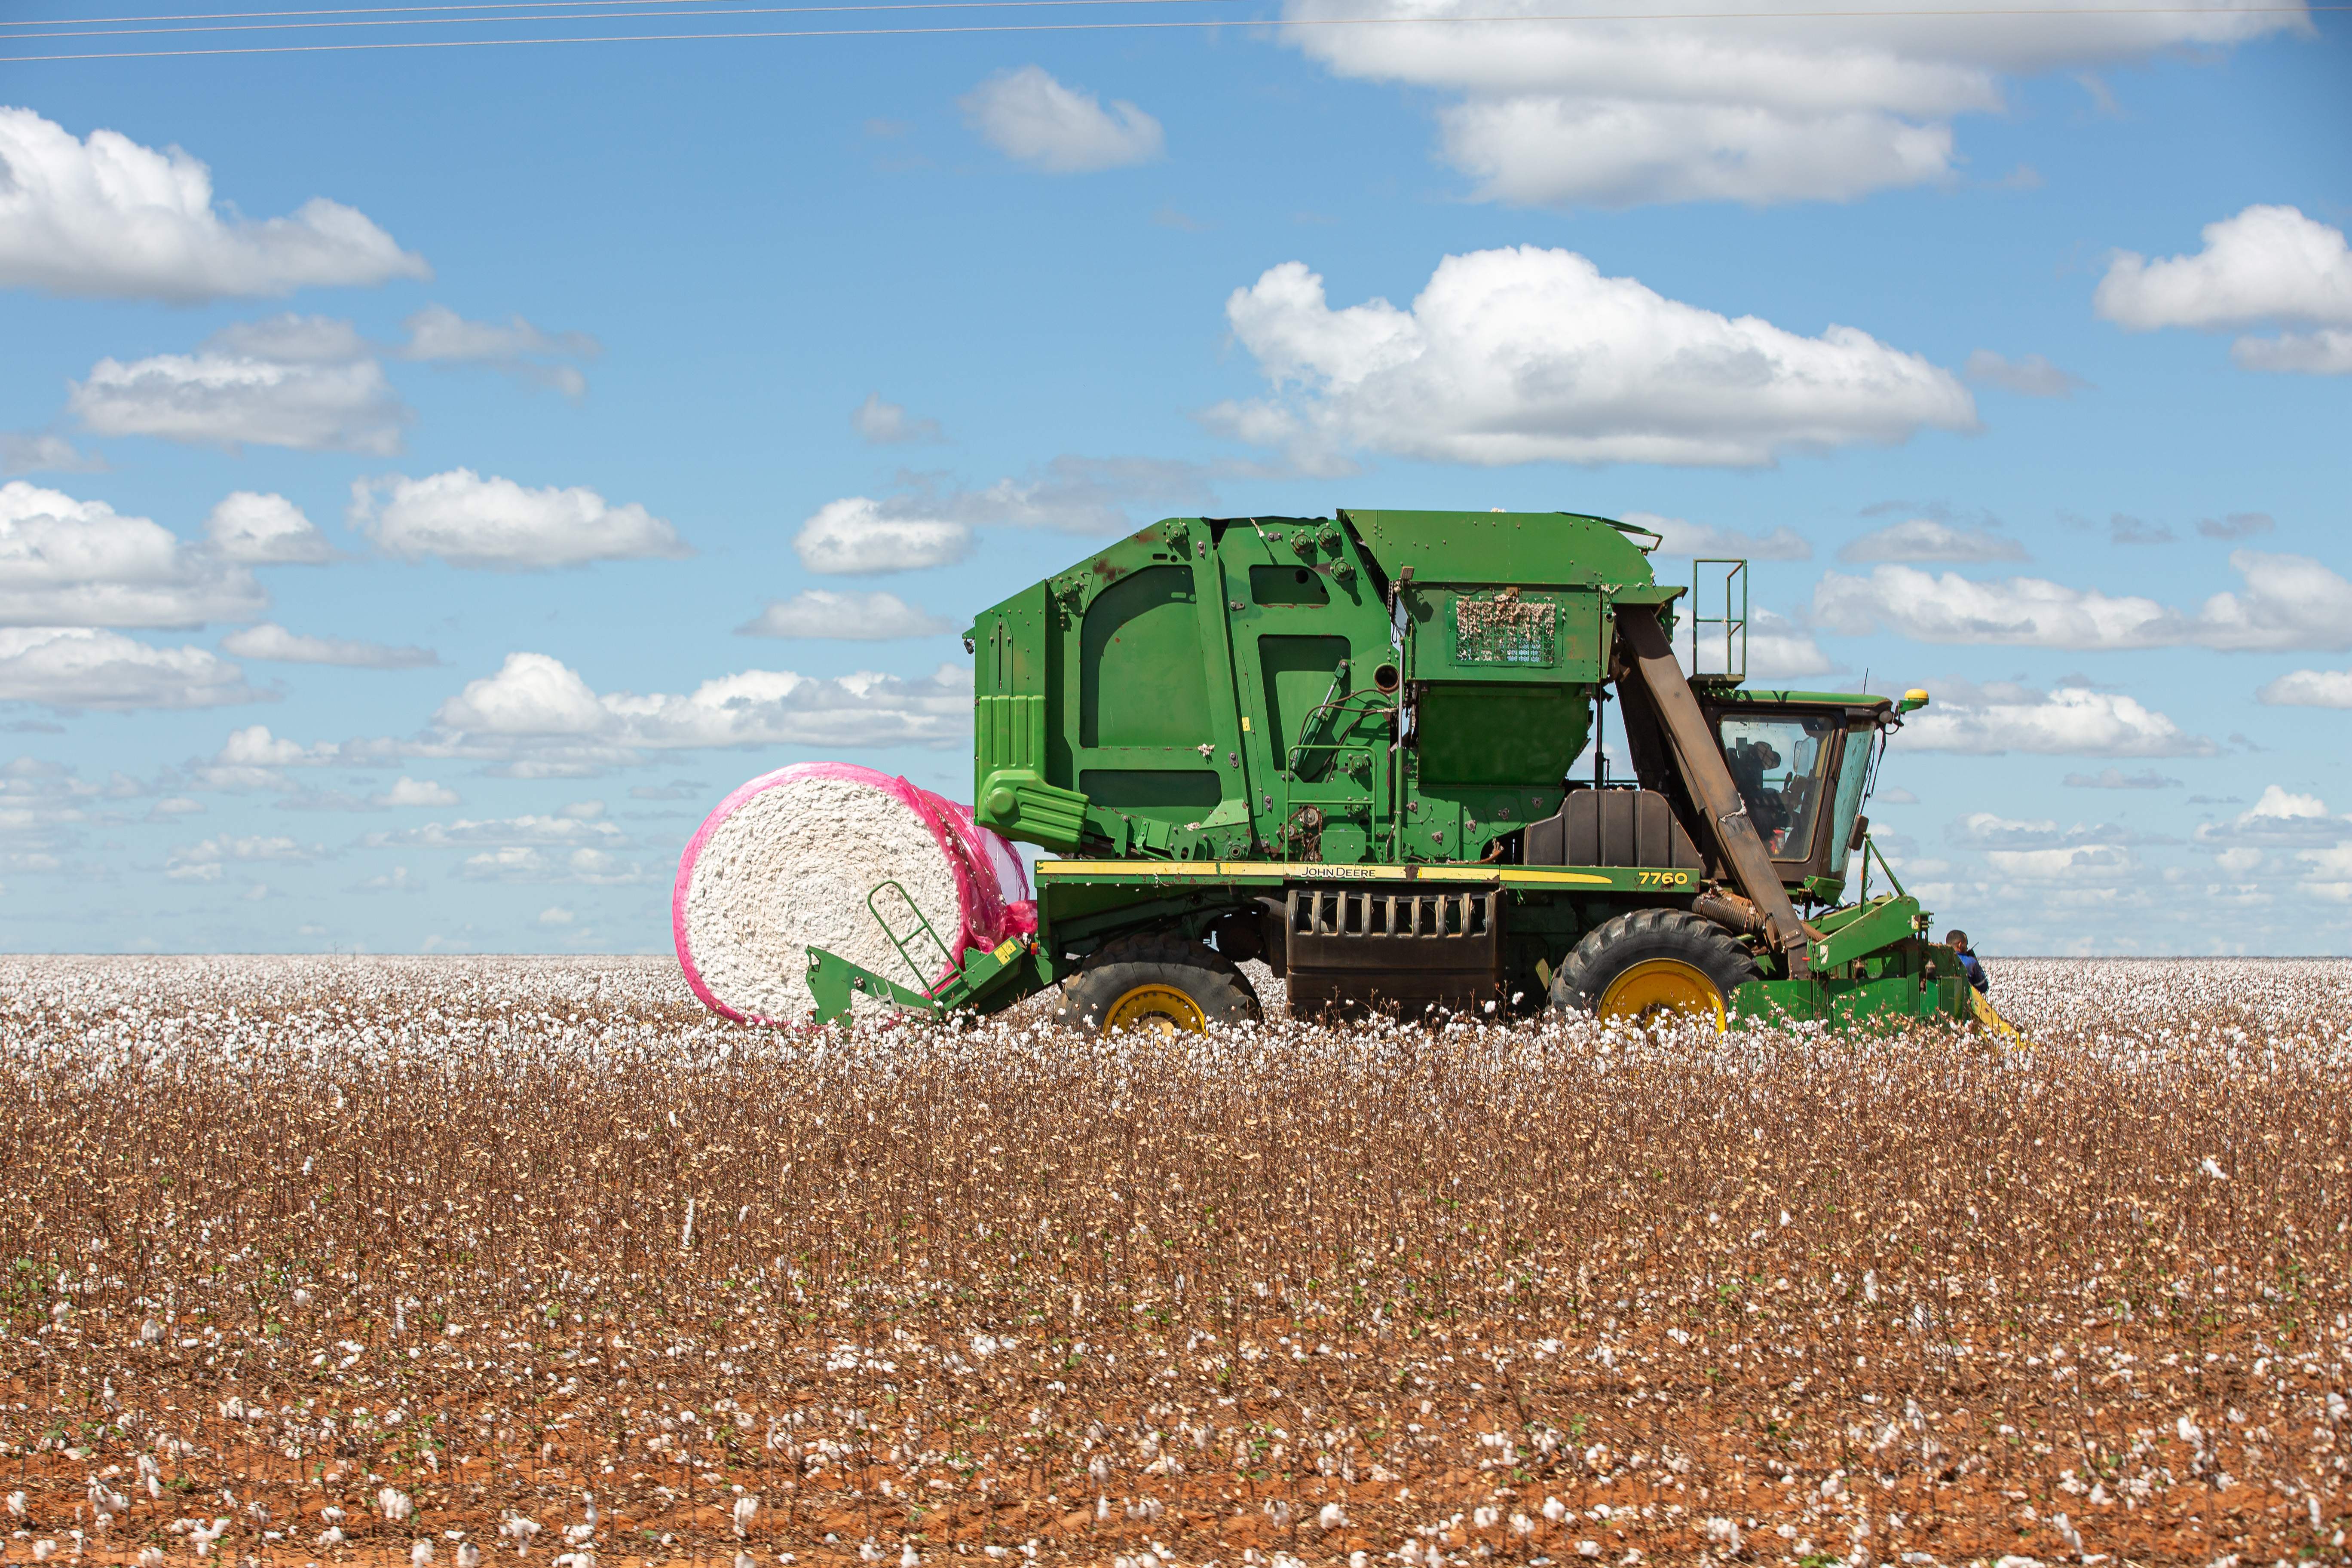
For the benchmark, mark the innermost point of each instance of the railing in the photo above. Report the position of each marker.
(1734, 664)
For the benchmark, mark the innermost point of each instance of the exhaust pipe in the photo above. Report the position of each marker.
(1730, 911)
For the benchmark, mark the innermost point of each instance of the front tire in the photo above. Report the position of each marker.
(1156, 982)
(1654, 963)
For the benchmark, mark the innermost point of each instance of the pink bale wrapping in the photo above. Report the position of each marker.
(786, 863)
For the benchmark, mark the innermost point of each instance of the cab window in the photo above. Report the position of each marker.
(1779, 762)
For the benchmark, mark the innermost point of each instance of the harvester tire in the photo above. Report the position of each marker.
(1650, 962)
(1159, 982)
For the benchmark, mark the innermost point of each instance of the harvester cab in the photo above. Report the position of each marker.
(1348, 746)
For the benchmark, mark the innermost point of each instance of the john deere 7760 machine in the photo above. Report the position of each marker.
(1343, 746)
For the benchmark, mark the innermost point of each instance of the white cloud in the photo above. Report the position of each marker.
(254, 747)
(2032, 376)
(2266, 264)
(65, 562)
(886, 424)
(1531, 356)
(535, 700)
(437, 334)
(1777, 649)
(527, 863)
(858, 535)
(2115, 778)
(35, 452)
(1030, 117)
(1636, 110)
(2281, 818)
(255, 529)
(1683, 538)
(2069, 721)
(2327, 352)
(497, 524)
(306, 382)
(2289, 601)
(204, 861)
(528, 830)
(2310, 688)
(849, 618)
(1926, 539)
(271, 641)
(78, 667)
(555, 915)
(109, 218)
(407, 790)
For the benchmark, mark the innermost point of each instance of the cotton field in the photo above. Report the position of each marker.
(313, 1262)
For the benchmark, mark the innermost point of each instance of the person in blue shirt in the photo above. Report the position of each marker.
(1958, 941)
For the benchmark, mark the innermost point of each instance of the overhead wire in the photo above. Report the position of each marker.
(1891, 12)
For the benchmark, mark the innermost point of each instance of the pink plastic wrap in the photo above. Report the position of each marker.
(992, 895)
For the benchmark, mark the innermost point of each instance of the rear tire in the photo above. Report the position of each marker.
(1653, 962)
(1159, 981)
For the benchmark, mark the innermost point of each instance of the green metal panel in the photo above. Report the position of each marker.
(1535, 549)
(1493, 735)
(1141, 681)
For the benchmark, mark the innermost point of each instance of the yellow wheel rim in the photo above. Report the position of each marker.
(1156, 1009)
(1658, 986)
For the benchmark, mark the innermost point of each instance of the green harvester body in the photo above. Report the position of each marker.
(1343, 746)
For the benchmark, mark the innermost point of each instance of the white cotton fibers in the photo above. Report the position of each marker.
(787, 863)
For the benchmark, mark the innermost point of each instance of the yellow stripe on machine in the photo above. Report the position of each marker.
(1303, 871)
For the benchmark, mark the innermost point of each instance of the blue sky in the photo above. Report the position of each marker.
(372, 575)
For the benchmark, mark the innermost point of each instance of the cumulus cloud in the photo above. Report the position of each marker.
(303, 381)
(497, 524)
(2115, 778)
(538, 701)
(887, 425)
(860, 534)
(255, 529)
(1686, 538)
(2324, 352)
(2281, 818)
(2310, 688)
(1927, 539)
(2288, 602)
(70, 562)
(2032, 376)
(2266, 265)
(37, 452)
(2069, 721)
(106, 217)
(1032, 118)
(529, 863)
(848, 618)
(525, 829)
(407, 790)
(204, 861)
(273, 642)
(438, 335)
(80, 666)
(2237, 525)
(1531, 356)
(1638, 109)
(1777, 649)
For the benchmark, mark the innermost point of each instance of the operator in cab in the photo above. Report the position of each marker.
(1958, 941)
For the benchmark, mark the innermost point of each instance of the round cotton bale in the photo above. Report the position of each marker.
(787, 862)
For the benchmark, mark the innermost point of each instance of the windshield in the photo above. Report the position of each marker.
(1778, 763)
(1848, 797)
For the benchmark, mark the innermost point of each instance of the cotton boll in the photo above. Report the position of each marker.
(421, 1554)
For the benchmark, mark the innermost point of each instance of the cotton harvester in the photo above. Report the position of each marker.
(1341, 746)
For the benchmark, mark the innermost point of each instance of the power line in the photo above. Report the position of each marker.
(2009, 12)
(591, 17)
(535, 4)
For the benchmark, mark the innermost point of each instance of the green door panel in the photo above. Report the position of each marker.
(1143, 680)
(1300, 674)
